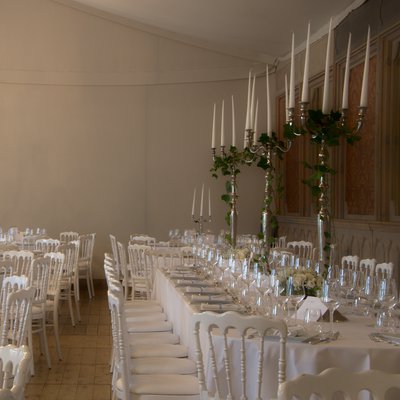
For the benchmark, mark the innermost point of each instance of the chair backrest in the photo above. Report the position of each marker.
(244, 325)
(22, 260)
(367, 265)
(39, 279)
(384, 269)
(56, 263)
(70, 251)
(15, 365)
(11, 284)
(336, 380)
(167, 257)
(47, 245)
(86, 246)
(66, 237)
(350, 262)
(6, 269)
(114, 249)
(301, 248)
(139, 265)
(119, 337)
(187, 256)
(16, 317)
(123, 265)
(142, 239)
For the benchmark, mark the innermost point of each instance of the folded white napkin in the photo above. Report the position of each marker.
(209, 298)
(221, 307)
(192, 282)
(203, 290)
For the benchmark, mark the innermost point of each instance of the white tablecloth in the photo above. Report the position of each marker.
(353, 350)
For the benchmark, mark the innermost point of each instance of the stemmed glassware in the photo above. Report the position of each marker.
(329, 298)
(295, 294)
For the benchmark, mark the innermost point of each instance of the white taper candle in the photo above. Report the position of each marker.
(252, 103)
(222, 125)
(364, 87)
(255, 123)
(345, 98)
(213, 129)
(247, 126)
(325, 96)
(304, 93)
(291, 83)
(233, 123)
(201, 201)
(286, 99)
(269, 130)
(194, 201)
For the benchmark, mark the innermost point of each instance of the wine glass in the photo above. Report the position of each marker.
(329, 298)
(296, 294)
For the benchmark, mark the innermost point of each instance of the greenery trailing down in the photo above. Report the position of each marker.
(229, 165)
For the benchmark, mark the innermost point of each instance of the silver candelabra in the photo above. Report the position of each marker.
(324, 228)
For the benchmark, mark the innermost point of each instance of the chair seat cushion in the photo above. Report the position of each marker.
(163, 384)
(153, 338)
(163, 365)
(145, 317)
(158, 350)
(150, 326)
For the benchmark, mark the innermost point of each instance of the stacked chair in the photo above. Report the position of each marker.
(147, 362)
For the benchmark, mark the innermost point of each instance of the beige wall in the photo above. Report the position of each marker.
(105, 128)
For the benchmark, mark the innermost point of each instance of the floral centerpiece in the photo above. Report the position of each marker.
(302, 277)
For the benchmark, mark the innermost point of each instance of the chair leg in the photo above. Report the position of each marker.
(43, 333)
(56, 332)
(71, 311)
(30, 345)
(77, 298)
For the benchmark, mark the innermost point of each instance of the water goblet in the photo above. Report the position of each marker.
(329, 298)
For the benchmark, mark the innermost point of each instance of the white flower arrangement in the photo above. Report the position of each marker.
(302, 277)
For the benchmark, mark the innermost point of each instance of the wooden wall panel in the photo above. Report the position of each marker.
(360, 157)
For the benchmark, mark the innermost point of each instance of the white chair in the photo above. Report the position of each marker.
(16, 317)
(86, 246)
(140, 271)
(6, 269)
(66, 237)
(114, 249)
(47, 245)
(384, 269)
(142, 239)
(22, 260)
(127, 385)
(53, 294)
(69, 286)
(125, 272)
(259, 327)
(167, 258)
(11, 284)
(301, 248)
(350, 262)
(367, 265)
(39, 279)
(14, 366)
(336, 380)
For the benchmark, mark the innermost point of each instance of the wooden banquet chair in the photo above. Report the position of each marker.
(336, 380)
(222, 368)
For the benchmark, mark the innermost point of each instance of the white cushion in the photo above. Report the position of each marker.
(158, 350)
(145, 317)
(163, 384)
(150, 326)
(163, 365)
(153, 338)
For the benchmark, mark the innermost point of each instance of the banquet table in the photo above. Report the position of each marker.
(354, 350)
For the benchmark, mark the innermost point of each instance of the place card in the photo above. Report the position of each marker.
(311, 302)
(203, 290)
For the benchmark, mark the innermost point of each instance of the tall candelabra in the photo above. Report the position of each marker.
(266, 148)
(325, 130)
(200, 220)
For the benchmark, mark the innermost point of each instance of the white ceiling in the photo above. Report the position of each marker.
(254, 29)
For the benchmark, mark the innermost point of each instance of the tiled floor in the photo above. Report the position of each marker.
(84, 371)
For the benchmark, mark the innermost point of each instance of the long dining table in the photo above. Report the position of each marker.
(353, 350)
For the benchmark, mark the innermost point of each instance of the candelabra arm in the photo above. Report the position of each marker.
(233, 215)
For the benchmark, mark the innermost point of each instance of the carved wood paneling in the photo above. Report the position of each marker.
(360, 158)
